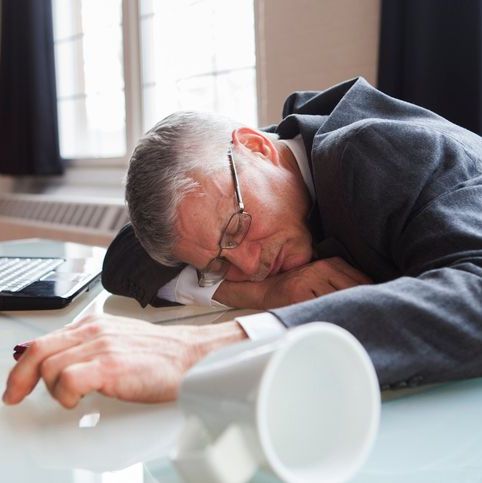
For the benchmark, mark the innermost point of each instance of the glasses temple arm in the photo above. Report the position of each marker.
(239, 198)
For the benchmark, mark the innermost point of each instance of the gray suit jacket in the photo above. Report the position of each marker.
(400, 189)
(399, 193)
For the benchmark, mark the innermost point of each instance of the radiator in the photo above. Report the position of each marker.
(95, 221)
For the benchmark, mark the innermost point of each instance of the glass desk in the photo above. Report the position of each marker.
(430, 434)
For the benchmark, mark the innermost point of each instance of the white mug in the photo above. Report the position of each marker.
(305, 407)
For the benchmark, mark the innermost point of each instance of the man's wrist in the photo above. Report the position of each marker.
(215, 336)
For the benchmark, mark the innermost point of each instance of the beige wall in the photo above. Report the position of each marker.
(5, 184)
(311, 45)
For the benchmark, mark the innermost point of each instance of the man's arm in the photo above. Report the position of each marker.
(128, 359)
(417, 201)
(129, 271)
(309, 281)
(417, 330)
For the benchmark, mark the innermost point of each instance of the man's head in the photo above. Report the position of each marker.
(181, 194)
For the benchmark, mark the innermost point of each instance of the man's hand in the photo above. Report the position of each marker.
(303, 283)
(124, 358)
(310, 281)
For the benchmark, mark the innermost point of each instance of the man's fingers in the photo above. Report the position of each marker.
(324, 288)
(52, 367)
(77, 380)
(25, 375)
(337, 276)
(340, 281)
(344, 267)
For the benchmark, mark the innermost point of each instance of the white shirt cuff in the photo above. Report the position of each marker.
(261, 326)
(185, 289)
(168, 291)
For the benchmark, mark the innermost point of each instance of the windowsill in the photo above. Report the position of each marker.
(78, 181)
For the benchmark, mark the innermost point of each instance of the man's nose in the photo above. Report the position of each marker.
(245, 257)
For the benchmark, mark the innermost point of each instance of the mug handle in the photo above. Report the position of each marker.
(233, 457)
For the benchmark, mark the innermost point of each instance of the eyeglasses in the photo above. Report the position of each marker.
(234, 233)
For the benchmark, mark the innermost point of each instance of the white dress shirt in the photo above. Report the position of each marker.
(184, 288)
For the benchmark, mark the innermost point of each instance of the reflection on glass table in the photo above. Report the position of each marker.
(427, 435)
(432, 435)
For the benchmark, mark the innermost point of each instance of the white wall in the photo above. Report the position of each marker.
(311, 45)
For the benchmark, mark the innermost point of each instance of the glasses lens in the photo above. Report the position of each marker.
(213, 273)
(217, 265)
(236, 230)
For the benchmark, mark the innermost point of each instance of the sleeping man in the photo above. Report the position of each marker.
(356, 209)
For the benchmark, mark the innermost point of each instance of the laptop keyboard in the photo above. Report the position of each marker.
(18, 273)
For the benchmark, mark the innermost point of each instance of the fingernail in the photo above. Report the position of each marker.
(22, 346)
(18, 351)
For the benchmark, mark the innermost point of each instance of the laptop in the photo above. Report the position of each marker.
(33, 282)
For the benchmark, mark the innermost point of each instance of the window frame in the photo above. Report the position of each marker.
(132, 92)
(85, 168)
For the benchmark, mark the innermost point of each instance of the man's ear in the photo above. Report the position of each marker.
(256, 142)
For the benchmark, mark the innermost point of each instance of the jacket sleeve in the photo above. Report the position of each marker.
(425, 326)
(129, 271)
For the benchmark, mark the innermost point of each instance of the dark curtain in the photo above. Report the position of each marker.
(431, 55)
(28, 104)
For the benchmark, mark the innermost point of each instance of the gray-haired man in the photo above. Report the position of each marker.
(357, 183)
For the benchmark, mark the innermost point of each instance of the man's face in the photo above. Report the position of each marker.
(278, 238)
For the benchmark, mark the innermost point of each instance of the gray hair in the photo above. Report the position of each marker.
(161, 171)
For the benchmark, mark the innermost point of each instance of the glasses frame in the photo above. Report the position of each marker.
(207, 277)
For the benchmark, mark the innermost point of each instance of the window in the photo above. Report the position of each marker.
(90, 79)
(198, 54)
(147, 58)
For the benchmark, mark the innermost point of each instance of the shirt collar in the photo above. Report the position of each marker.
(296, 146)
